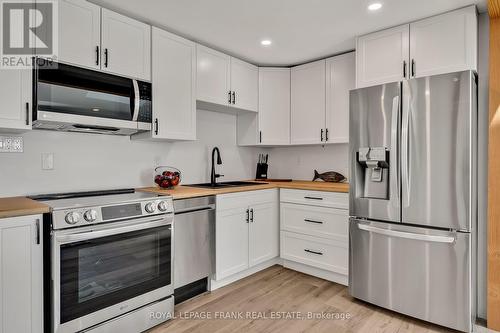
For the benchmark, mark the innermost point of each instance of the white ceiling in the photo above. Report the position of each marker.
(301, 30)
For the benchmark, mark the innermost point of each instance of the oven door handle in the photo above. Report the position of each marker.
(93, 234)
(137, 100)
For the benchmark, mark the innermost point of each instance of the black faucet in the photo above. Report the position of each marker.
(214, 176)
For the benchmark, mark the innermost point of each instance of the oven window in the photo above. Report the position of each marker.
(102, 272)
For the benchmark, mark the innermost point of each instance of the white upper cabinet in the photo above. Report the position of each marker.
(445, 43)
(382, 57)
(21, 275)
(174, 86)
(79, 33)
(244, 85)
(308, 88)
(274, 106)
(213, 76)
(126, 46)
(15, 94)
(440, 44)
(340, 79)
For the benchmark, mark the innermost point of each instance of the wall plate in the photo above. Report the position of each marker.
(11, 144)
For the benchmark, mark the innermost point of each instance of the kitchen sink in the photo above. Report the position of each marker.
(225, 184)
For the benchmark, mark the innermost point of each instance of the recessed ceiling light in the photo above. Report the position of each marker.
(266, 42)
(375, 6)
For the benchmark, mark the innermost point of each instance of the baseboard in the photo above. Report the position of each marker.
(321, 273)
(214, 284)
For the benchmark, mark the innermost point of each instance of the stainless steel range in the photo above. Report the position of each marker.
(111, 261)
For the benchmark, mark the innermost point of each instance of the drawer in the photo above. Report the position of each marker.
(245, 199)
(315, 221)
(316, 198)
(327, 254)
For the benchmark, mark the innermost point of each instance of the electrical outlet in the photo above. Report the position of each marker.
(47, 161)
(11, 144)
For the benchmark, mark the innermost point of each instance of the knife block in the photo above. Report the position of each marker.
(261, 171)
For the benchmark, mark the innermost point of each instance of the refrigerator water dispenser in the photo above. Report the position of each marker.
(375, 161)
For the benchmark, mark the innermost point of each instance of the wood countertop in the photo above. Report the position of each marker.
(184, 192)
(21, 206)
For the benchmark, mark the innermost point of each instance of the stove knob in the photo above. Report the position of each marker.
(72, 218)
(162, 206)
(150, 207)
(90, 215)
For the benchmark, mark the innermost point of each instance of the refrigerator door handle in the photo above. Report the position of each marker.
(408, 235)
(405, 145)
(394, 153)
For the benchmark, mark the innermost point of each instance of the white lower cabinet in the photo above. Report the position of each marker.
(21, 275)
(314, 233)
(246, 231)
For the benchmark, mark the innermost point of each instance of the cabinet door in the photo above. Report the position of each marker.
(126, 46)
(21, 278)
(15, 94)
(382, 57)
(445, 43)
(231, 242)
(244, 85)
(79, 33)
(274, 106)
(264, 233)
(213, 75)
(340, 79)
(308, 103)
(174, 84)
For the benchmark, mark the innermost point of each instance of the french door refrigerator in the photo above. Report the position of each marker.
(412, 228)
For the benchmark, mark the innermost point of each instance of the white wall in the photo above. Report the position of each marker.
(88, 162)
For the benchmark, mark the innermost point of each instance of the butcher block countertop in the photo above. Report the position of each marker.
(183, 192)
(21, 206)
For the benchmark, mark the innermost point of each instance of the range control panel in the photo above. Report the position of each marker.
(11, 144)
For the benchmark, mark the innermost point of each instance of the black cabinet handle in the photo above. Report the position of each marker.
(313, 198)
(412, 67)
(313, 252)
(313, 221)
(229, 96)
(27, 113)
(404, 69)
(234, 97)
(106, 57)
(326, 135)
(97, 55)
(37, 231)
(260, 136)
(248, 215)
(251, 215)
(321, 135)
(156, 126)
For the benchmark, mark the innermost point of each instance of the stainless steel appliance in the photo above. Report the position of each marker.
(74, 99)
(194, 245)
(413, 197)
(111, 261)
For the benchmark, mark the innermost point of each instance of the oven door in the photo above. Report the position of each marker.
(101, 272)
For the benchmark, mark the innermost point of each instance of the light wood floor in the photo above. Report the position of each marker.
(278, 289)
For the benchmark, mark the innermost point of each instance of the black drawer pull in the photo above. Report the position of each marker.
(314, 252)
(313, 198)
(313, 221)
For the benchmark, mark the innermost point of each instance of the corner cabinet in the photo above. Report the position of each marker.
(246, 232)
(15, 94)
(21, 275)
(440, 44)
(224, 81)
(174, 87)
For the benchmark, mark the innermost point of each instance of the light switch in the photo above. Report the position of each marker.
(47, 161)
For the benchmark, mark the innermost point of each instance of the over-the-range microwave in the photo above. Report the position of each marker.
(74, 99)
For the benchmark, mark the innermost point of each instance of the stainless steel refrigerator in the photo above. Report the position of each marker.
(413, 197)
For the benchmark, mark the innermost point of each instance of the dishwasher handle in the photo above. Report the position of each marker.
(194, 209)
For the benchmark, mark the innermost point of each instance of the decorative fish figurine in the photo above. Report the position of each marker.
(330, 176)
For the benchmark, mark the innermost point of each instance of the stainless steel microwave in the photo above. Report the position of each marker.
(74, 99)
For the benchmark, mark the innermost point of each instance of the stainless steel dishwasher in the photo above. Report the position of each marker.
(194, 226)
